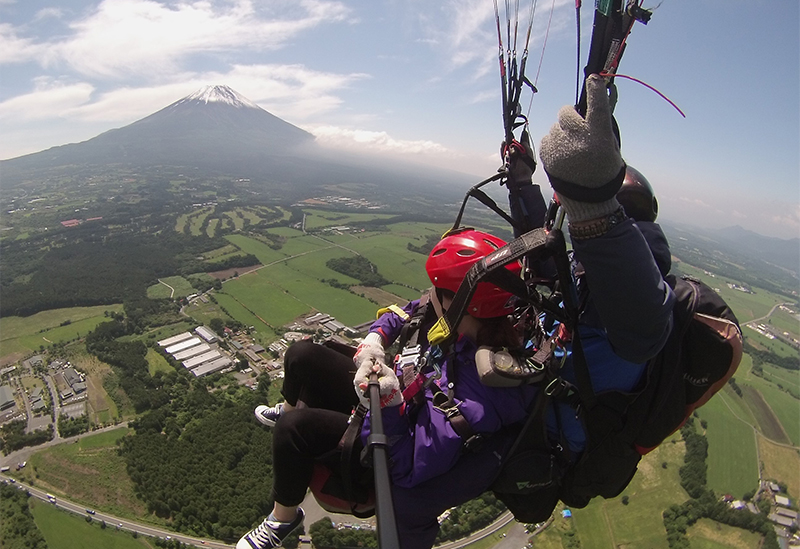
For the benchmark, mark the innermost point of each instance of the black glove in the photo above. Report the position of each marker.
(521, 161)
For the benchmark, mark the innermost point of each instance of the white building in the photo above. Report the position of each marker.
(200, 359)
(206, 334)
(192, 351)
(175, 339)
(213, 366)
(183, 345)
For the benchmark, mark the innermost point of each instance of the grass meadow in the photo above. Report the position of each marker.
(609, 523)
(90, 473)
(707, 534)
(264, 333)
(64, 530)
(22, 336)
(768, 403)
(732, 454)
(157, 363)
(762, 342)
(788, 380)
(781, 463)
(173, 287)
(316, 219)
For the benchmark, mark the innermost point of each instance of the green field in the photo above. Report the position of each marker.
(264, 334)
(91, 473)
(784, 406)
(638, 525)
(760, 341)
(171, 287)
(157, 363)
(26, 335)
(63, 530)
(783, 378)
(707, 534)
(729, 437)
(316, 219)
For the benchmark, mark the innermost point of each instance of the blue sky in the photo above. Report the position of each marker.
(418, 79)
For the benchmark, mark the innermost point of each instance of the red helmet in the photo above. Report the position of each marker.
(453, 256)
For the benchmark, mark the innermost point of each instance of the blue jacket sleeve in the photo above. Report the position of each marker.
(632, 300)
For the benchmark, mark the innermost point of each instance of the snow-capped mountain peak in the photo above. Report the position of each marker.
(220, 94)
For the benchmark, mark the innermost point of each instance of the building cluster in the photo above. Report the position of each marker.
(198, 352)
(329, 324)
(345, 201)
(785, 519)
(68, 381)
(739, 288)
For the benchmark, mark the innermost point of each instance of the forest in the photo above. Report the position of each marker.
(13, 436)
(99, 270)
(358, 267)
(200, 460)
(18, 529)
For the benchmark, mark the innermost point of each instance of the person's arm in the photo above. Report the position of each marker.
(582, 159)
(629, 295)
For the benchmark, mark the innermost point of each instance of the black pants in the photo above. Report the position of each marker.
(319, 381)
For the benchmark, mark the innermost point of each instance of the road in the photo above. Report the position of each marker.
(117, 522)
(516, 537)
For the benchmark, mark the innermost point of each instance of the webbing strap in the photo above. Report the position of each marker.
(393, 308)
(346, 445)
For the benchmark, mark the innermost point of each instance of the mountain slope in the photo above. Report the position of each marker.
(216, 131)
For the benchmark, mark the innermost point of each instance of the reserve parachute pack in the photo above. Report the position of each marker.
(700, 356)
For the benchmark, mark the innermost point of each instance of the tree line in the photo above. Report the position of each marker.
(703, 503)
(13, 436)
(761, 357)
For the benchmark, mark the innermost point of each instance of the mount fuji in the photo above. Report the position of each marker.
(217, 131)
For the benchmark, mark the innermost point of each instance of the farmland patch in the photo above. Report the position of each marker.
(781, 463)
(732, 454)
(767, 421)
(707, 534)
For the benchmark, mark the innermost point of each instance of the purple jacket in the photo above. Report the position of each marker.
(622, 329)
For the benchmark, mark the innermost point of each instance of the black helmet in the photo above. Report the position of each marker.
(637, 197)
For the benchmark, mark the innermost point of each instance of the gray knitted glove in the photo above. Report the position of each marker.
(582, 159)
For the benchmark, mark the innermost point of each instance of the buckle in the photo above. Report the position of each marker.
(558, 387)
(474, 443)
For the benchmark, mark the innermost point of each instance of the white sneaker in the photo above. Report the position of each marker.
(268, 415)
(270, 533)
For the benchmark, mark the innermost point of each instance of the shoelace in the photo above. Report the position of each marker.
(266, 534)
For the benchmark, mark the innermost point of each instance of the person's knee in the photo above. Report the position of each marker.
(299, 353)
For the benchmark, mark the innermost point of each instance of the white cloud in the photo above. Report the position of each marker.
(123, 39)
(49, 99)
(54, 13)
(292, 92)
(14, 49)
(361, 140)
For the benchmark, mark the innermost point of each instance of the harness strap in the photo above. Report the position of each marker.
(346, 445)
